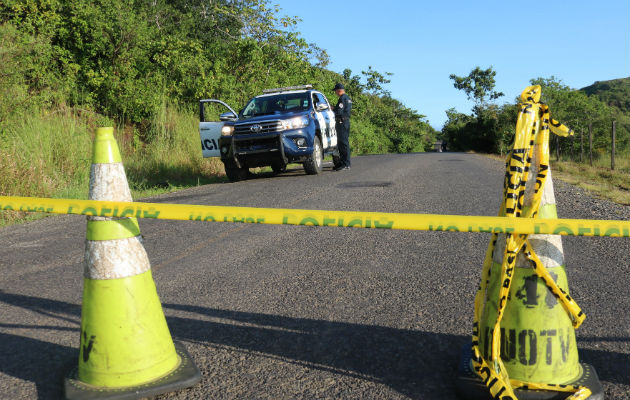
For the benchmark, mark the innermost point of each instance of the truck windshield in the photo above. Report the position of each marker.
(276, 104)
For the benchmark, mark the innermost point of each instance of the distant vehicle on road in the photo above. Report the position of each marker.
(285, 125)
(439, 146)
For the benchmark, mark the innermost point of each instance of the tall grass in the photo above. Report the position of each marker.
(170, 157)
(48, 154)
(599, 179)
(45, 154)
(601, 157)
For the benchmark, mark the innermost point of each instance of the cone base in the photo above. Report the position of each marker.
(470, 387)
(185, 375)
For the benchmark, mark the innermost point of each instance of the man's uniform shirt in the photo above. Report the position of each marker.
(343, 109)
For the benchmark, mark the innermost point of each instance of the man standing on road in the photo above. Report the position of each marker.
(342, 118)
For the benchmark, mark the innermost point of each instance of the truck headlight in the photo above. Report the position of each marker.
(227, 130)
(295, 123)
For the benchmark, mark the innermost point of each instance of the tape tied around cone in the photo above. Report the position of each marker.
(523, 331)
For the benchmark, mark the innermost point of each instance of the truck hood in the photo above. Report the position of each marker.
(271, 117)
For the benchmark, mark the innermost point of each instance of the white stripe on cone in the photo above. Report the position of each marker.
(108, 182)
(118, 258)
(115, 259)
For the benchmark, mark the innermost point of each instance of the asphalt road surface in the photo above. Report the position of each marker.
(286, 312)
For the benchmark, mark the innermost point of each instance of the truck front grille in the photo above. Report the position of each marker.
(265, 127)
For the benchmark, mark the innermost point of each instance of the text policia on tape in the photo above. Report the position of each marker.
(353, 219)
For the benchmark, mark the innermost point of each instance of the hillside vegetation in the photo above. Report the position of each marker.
(68, 66)
(615, 92)
(490, 127)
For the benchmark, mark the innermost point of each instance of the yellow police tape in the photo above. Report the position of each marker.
(353, 219)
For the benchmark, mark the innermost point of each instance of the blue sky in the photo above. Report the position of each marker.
(423, 42)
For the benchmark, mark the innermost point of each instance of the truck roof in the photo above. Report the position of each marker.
(288, 89)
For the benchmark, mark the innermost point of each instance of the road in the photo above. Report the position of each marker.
(287, 312)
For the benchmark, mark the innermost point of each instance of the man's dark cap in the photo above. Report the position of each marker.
(339, 86)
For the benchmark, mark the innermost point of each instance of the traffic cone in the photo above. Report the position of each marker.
(126, 349)
(537, 340)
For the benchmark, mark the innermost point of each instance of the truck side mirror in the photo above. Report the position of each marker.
(228, 116)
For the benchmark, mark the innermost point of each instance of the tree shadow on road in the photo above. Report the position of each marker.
(610, 366)
(46, 307)
(411, 362)
(42, 363)
(33, 360)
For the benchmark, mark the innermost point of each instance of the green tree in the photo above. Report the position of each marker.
(576, 110)
(478, 86)
(129, 60)
(376, 80)
(485, 130)
(28, 77)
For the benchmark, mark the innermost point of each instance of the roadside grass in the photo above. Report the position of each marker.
(599, 179)
(48, 154)
(169, 158)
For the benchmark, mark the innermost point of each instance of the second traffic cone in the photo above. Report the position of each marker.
(537, 337)
(538, 342)
(537, 345)
(126, 349)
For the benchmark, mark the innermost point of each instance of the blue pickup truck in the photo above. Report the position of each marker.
(286, 125)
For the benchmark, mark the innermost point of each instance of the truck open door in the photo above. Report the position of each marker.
(210, 131)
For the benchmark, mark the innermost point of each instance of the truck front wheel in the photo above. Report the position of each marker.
(234, 173)
(278, 167)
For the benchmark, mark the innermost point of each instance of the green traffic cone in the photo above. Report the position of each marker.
(126, 349)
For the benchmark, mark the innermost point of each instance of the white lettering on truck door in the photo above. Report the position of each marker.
(210, 132)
